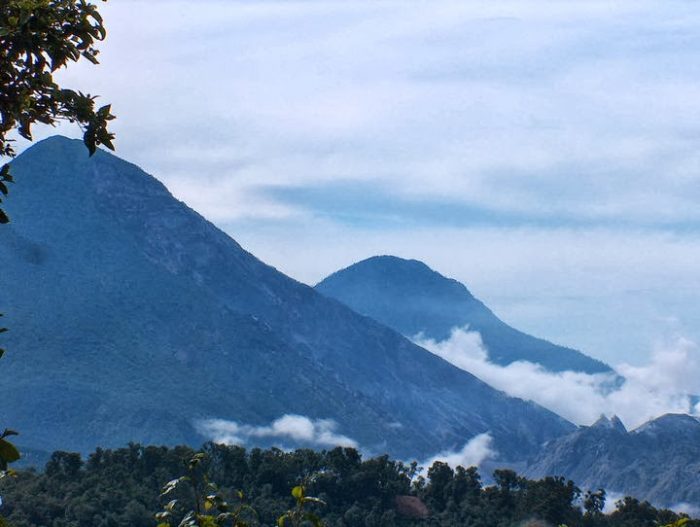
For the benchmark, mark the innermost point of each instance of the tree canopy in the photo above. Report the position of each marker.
(126, 486)
(37, 38)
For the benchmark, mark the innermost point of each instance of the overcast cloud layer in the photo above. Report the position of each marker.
(545, 153)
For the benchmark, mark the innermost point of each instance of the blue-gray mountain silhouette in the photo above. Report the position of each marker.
(411, 298)
(131, 317)
(659, 461)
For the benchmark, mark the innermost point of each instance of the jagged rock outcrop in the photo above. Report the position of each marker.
(659, 461)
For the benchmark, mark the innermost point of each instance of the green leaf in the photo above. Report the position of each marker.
(189, 519)
(11, 473)
(281, 520)
(196, 459)
(206, 521)
(171, 485)
(298, 492)
(8, 432)
(8, 451)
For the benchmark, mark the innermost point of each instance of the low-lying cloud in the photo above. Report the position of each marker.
(477, 450)
(663, 385)
(293, 428)
(612, 498)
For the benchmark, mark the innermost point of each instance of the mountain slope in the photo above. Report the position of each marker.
(132, 318)
(411, 298)
(659, 461)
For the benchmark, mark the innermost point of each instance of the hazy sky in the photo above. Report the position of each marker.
(547, 154)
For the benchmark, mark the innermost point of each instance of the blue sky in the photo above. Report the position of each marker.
(544, 153)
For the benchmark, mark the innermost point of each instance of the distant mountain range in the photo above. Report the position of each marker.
(411, 298)
(659, 461)
(132, 318)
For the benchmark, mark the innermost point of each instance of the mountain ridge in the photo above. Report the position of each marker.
(658, 461)
(413, 299)
(132, 317)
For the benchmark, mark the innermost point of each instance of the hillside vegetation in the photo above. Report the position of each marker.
(115, 488)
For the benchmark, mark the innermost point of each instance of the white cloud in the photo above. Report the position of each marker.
(611, 499)
(296, 428)
(664, 385)
(477, 450)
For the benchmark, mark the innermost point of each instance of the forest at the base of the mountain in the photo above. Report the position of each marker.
(122, 487)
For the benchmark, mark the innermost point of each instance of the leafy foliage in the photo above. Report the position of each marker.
(124, 487)
(37, 38)
(8, 451)
(208, 505)
(300, 515)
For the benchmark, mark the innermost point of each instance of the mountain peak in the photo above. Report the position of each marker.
(54, 143)
(670, 423)
(392, 272)
(57, 139)
(115, 287)
(413, 299)
(388, 261)
(657, 462)
(612, 423)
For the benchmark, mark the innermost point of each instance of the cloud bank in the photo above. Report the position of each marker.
(292, 428)
(301, 430)
(663, 385)
(477, 450)
(612, 497)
